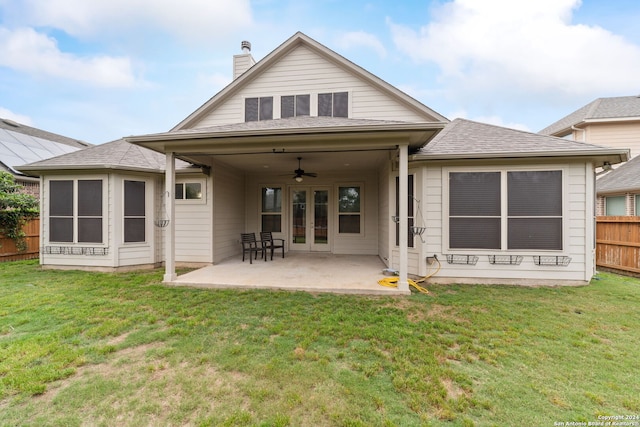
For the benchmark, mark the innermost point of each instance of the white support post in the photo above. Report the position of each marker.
(169, 201)
(403, 171)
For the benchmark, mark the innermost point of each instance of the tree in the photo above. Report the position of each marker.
(16, 208)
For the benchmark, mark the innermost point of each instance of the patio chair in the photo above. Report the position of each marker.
(270, 243)
(252, 246)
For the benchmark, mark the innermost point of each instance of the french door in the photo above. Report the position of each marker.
(310, 223)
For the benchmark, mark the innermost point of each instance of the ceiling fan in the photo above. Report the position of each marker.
(299, 173)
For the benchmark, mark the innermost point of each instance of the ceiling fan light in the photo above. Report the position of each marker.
(298, 179)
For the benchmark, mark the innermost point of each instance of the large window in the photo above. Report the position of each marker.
(349, 213)
(256, 109)
(134, 211)
(527, 210)
(410, 211)
(294, 106)
(75, 211)
(333, 104)
(271, 212)
(615, 205)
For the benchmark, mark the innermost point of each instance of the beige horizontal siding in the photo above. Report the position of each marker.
(303, 71)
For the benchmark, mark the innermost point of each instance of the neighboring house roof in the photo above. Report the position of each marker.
(286, 47)
(624, 178)
(21, 144)
(466, 139)
(118, 154)
(602, 109)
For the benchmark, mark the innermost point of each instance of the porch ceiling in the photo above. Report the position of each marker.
(287, 162)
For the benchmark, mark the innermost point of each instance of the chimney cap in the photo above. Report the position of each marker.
(246, 46)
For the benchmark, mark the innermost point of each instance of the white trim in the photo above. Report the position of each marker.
(337, 212)
(170, 230)
(403, 163)
(504, 169)
(203, 188)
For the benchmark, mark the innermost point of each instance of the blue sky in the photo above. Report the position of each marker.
(102, 69)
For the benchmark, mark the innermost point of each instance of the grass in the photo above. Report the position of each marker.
(120, 349)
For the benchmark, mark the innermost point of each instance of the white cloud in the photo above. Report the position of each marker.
(526, 47)
(8, 114)
(26, 50)
(356, 39)
(188, 19)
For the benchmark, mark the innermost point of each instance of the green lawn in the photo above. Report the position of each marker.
(120, 349)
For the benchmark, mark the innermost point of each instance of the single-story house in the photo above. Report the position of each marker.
(332, 159)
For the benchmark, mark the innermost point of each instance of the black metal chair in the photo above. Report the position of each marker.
(252, 246)
(270, 243)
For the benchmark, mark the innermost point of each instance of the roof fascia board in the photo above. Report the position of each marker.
(612, 156)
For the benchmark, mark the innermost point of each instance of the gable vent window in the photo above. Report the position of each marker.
(256, 109)
(294, 106)
(333, 104)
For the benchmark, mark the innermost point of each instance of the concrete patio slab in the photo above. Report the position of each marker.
(311, 272)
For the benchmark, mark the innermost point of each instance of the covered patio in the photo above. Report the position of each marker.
(310, 272)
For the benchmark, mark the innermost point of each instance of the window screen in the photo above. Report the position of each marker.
(61, 198)
(341, 104)
(325, 104)
(134, 211)
(251, 110)
(333, 104)
(271, 209)
(349, 209)
(90, 197)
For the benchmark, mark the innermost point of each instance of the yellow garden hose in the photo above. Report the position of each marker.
(392, 282)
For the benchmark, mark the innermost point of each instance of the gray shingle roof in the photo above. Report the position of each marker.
(468, 139)
(622, 179)
(302, 122)
(601, 108)
(118, 154)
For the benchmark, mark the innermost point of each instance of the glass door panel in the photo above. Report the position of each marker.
(321, 217)
(299, 217)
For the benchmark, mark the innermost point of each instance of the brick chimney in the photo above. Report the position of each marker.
(244, 61)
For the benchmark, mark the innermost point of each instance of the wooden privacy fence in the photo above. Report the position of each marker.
(618, 243)
(8, 250)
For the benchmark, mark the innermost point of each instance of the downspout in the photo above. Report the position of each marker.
(584, 133)
(170, 237)
(403, 189)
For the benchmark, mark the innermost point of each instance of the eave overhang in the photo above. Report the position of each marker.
(341, 138)
(599, 157)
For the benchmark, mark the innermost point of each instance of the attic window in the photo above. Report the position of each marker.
(294, 106)
(334, 104)
(256, 109)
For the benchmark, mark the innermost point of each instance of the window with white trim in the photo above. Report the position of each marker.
(294, 105)
(258, 108)
(334, 104)
(271, 209)
(134, 211)
(75, 211)
(506, 210)
(349, 210)
(189, 190)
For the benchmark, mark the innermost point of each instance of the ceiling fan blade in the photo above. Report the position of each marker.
(311, 174)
